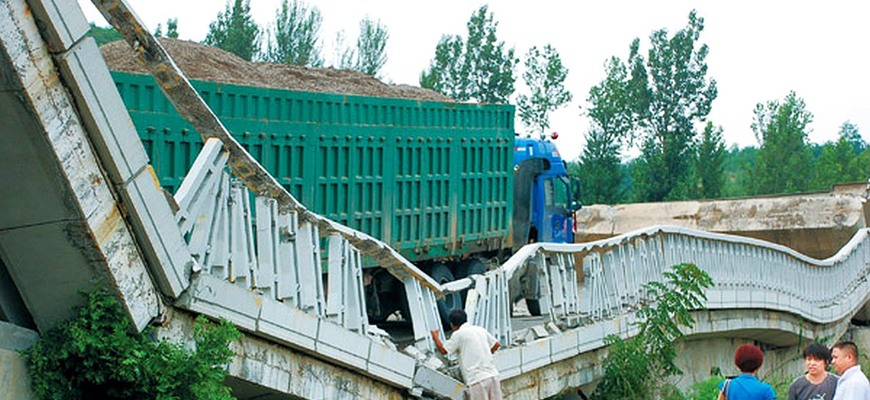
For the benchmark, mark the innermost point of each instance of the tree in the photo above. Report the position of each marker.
(784, 158)
(636, 368)
(840, 161)
(104, 35)
(297, 33)
(478, 69)
(446, 71)
(668, 93)
(710, 162)
(601, 171)
(545, 77)
(171, 29)
(235, 31)
(371, 46)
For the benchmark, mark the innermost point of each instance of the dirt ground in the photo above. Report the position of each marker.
(201, 62)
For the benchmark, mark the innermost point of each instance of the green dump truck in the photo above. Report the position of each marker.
(435, 180)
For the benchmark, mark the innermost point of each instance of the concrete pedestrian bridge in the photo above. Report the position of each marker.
(80, 209)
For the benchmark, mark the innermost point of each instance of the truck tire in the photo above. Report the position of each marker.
(472, 266)
(534, 307)
(441, 274)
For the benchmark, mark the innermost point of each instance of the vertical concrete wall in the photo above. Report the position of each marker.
(14, 380)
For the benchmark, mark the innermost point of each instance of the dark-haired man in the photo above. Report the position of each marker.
(817, 383)
(473, 346)
(853, 385)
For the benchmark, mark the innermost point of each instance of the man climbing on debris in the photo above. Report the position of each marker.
(473, 346)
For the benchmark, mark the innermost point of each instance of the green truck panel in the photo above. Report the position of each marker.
(432, 179)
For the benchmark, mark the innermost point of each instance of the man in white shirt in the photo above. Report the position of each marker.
(853, 385)
(474, 347)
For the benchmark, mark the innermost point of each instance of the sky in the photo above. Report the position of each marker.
(759, 50)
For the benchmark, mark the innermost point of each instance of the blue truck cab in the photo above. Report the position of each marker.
(542, 194)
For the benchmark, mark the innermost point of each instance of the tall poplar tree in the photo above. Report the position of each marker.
(784, 163)
(479, 68)
(296, 38)
(670, 93)
(545, 77)
(235, 31)
(710, 162)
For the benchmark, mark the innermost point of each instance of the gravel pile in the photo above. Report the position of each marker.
(206, 63)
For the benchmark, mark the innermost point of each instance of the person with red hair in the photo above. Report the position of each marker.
(746, 386)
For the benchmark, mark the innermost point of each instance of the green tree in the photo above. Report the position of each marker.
(371, 44)
(235, 31)
(670, 92)
(739, 164)
(636, 368)
(710, 162)
(545, 77)
(104, 35)
(479, 69)
(446, 71)
(601, 170)
(850, 132)
(297, 35)
(171, 29)
(784, 163)
(840, 161)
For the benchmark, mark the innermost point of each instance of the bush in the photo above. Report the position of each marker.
(99, 354)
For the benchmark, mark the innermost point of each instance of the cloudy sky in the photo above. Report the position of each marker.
(759, 50)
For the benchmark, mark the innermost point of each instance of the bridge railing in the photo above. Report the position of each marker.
(282, 256)
(599, 280)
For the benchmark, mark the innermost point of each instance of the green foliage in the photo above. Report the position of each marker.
(636, 368)
(478, 69)
(296, 35)
(675, 95)
(705, 390)
(446, 71)
(545, 77)
(98, 354)
(784, 159)
(370, 55)
(171, 29)
(600, 172)
(710, 162)
(235, 31)
(104, 35)
(841, 161)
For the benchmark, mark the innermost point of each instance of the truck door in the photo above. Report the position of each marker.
(557, 218)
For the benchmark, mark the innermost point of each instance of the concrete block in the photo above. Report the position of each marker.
(508, 362)
(346, 347)
(103, 113)
(62, 22)
(288, 325)
(535, 355)
(435, 382)
(160, 239)
(14, 377)
(391, 365)
(218, 298)
(564, 345)
(16, 338)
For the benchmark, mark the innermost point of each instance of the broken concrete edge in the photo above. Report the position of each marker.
(297, 330)
(105, 242)
(16, 338)
(281, 368)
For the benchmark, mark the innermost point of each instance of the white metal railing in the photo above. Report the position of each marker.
(604, 279)
(227, 234)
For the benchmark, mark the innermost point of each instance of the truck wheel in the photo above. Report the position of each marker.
(441, 274)
(534, 306)
(472, 266)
